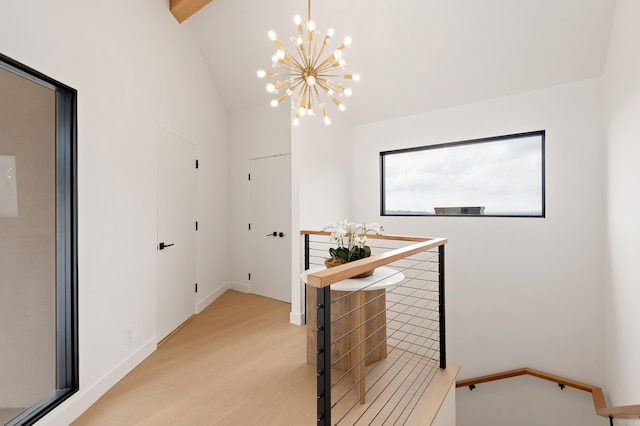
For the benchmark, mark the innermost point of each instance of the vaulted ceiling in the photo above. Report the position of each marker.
(413, 55)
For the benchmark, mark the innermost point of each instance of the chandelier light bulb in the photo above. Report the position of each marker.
(309, 71)
(311, 26)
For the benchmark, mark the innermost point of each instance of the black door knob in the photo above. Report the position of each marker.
(163, 246)
(281, 234)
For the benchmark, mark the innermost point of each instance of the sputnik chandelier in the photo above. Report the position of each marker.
(305, 76)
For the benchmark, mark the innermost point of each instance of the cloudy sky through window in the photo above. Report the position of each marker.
(504, 176)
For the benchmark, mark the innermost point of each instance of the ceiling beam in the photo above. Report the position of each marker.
(182, 9)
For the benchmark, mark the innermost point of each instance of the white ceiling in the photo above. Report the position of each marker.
(413, 55)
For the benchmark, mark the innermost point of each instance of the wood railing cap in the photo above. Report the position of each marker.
(621, 412)
(322, 279)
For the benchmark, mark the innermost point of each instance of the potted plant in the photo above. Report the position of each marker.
(352, 243)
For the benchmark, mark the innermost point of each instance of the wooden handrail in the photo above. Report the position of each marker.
(336, 274)
(621, 412)
(599, 403)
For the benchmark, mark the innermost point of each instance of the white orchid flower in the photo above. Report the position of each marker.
(356, 233)
(375, 227)
(360, 240)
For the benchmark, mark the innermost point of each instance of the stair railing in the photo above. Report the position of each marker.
(379, 341)
(599, 403)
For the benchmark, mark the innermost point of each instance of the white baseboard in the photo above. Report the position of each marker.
(297, 318)
(243, 288)
(78, 403)
(211, 297)
(86, 396)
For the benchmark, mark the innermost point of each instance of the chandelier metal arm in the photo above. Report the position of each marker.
(304, 62)
(304, 97)
(328, 68)
(329, 87)
(291, 62)
(322, 108)
(328, 92)
(319, 55)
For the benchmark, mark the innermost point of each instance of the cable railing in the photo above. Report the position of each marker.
(378, 341)
(599, 403)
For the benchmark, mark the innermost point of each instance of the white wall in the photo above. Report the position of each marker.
(447, 413)
(622, 132)
(521, 292)
(322, 186)
(258, 132)
(325, 171)
(320, 157)
(136, 69)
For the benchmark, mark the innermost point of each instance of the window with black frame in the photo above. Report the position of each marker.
(495, 176)
(38, 258)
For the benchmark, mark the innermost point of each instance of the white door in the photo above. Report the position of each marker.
(270, 221)
(176, 232)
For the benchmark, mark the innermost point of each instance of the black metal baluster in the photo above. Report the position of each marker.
(443, 343)
(324, 356)
(306, 252)
(307, 265)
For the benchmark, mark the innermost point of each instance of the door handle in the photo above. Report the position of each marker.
(163, 246)
(280, 234)
(273, 234)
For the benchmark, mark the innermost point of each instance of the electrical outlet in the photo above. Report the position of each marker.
(128, 335)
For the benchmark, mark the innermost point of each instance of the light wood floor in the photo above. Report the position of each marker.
(239, 362)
